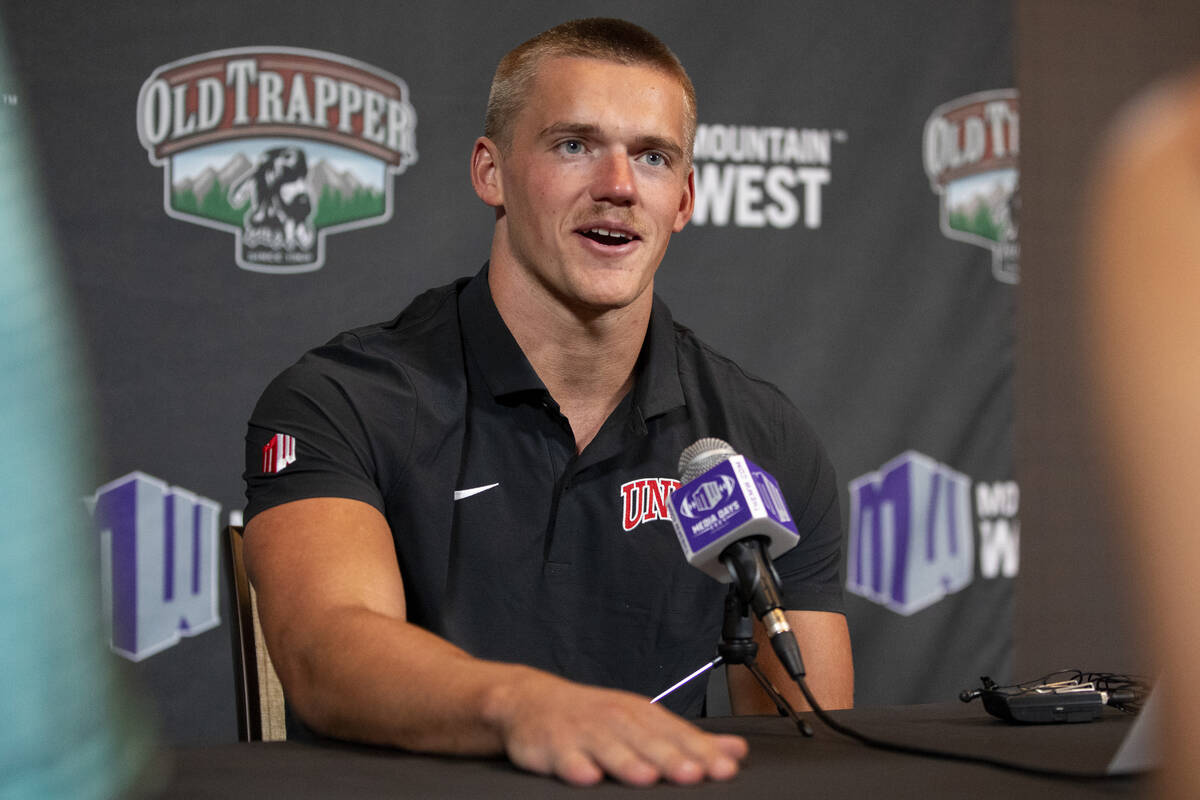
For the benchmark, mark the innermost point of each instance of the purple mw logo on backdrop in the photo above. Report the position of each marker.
(158, 555)
(911, 540)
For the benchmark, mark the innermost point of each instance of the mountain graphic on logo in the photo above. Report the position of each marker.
(206, 194)
(340, 197)
(988, 213)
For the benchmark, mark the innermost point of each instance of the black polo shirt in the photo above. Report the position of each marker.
(511, 545)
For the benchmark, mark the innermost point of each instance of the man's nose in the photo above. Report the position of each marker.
(614, 179)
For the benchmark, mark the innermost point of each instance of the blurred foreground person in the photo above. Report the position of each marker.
(1144, 272)
(67, 729)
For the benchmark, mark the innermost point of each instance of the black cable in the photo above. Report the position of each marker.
(914, 750)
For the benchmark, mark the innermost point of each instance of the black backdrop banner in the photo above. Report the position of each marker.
(854, 242)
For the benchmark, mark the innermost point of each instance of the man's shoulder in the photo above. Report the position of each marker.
(756, 415)
(430, 319)
(702, 365)
(418, 346)
(420, 337)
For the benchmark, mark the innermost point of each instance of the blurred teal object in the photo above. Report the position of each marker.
(67, 727)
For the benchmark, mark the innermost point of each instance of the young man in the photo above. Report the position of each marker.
(449, 565)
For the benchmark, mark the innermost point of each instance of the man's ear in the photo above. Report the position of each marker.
(485, 172)
(687, 203)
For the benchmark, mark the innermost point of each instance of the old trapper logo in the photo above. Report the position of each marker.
(971, 147)
(278, 146)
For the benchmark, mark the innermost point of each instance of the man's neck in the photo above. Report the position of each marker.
(585, 358)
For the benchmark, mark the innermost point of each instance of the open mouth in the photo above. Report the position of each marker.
(608, 236)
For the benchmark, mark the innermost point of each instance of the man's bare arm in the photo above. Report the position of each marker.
(331, 599)
(824, 641)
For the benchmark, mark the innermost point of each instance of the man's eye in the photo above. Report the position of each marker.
(655, 159)
(572, 146)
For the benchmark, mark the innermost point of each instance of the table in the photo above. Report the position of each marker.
(782, 764)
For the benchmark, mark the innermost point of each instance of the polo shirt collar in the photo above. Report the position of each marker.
(503, 364)
(658, 389)
(507, 371)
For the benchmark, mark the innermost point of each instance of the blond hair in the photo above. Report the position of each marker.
(597, 37)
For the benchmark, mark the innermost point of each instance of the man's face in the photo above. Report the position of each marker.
(595, 181)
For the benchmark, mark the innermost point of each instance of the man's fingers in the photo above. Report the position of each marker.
(566, 762)
(703, 755)
(723, 757)
(733, 746)
(732, 750)
(578, 769)
(581, 734)
(624, 763)
(681, 753)
(675, 751)
(637, 757)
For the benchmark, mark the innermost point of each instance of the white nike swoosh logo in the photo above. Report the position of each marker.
(460, 494)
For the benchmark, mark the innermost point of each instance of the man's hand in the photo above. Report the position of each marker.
(580, 734)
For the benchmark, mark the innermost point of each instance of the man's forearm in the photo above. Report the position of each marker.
(824, 643)
(379, 680)
(364, 676)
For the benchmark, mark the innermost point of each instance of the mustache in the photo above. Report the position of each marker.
(627, 218)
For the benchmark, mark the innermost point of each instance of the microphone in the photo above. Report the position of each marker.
(731, 520)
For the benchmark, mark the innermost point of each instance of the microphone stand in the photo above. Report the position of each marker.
(737, 646)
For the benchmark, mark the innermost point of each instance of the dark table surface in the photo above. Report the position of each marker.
(782, 763)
